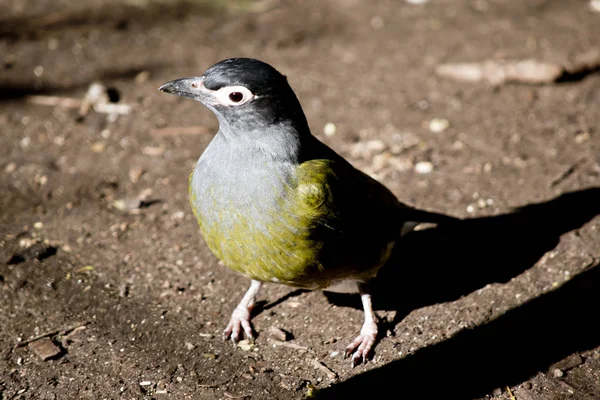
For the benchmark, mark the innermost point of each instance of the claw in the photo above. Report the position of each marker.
(240, 318)
(362, 345)
(240, 321)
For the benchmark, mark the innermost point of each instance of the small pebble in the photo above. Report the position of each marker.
(189, 346)
(135, 174)
(278, 334)
(470, 209)
(98, 147)
(10, 167)
(438, 125)
(127, 204)
(245, 345)
(367, 149)
(247, 375)
(41, 180)
(145, 383)
(178, 215)
(334, 354)
(153, 151)
(38, 225)
(142, 77)
(44, 348)
(595, 5)
(330, 129)
(582, 137)
(558, 373)
(375, 146)
(27, 242)
(423, 167)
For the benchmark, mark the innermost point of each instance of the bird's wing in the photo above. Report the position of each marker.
(315, 192)
(331, 192)
(350, 217)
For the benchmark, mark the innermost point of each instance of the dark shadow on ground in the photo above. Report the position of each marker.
(505, 351)
(444, 263)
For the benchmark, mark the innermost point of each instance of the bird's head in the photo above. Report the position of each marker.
(243, 92)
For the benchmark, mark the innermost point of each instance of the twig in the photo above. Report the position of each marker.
(287, 344)
(66, 102)
(95, 99)
(567, 173)
(19, 393)
(51, 333)
(510, 393)
(325, 369)
(584, 62)
(501, 71)
(529, 71)
(588, 265)
(110, 108)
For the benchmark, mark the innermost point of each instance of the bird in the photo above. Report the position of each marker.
(276, 204)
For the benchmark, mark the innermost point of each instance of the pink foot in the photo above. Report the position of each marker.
(362, 345)
(240, 318)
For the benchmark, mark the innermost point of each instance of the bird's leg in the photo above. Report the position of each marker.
(240, 318)
(364, 342)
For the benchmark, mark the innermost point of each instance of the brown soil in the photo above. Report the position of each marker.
(505, 304)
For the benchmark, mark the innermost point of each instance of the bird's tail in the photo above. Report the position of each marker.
(412, 217)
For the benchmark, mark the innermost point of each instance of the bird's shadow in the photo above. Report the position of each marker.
(446, 262)
(504, 352)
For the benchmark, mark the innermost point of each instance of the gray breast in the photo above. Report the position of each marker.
(233, 181)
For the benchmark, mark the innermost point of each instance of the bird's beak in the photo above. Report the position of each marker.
(188, 87)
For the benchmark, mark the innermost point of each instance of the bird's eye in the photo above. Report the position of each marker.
(236, 97)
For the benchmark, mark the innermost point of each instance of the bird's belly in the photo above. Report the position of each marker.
(270, 251)
(254, 233)
(280, 251)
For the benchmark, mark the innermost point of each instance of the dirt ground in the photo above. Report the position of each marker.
(108, 292)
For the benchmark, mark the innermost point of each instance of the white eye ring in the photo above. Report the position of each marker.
(233, 95)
